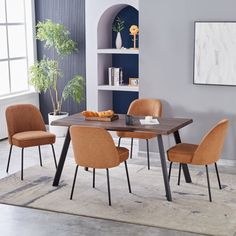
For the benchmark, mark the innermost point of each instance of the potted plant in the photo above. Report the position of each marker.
(44, 74)
(117, 27)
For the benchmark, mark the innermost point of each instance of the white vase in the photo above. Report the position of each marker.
(118, 41)
(59, 131)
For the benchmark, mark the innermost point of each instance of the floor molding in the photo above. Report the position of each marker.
(222, 162)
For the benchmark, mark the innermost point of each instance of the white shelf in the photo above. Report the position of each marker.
(118, 88)
(99, 18)
(117, 51)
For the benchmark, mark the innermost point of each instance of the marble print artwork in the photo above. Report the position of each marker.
(215, 53)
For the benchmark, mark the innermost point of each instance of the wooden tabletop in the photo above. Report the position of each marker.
(166, 126)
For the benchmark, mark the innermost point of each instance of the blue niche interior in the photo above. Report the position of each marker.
(128, 62)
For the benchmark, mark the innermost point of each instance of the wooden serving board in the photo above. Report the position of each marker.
(105, 119)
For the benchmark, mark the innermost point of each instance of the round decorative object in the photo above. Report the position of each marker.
(134, 29)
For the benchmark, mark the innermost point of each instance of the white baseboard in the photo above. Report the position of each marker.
(222, 162)
(225, 162)
(125, 141)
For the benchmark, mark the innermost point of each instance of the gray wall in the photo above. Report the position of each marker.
(166, 65)
(71, 13)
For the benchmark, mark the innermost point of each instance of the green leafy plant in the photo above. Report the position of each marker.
(74, 89)
(119, 25)
(44, 74)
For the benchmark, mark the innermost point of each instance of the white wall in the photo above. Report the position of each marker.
(166, 65)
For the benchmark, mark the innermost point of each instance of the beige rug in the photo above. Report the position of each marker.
(189, 211)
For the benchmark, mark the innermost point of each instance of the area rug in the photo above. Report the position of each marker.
(190, 210)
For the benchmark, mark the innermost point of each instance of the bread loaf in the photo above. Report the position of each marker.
(107, 113)
(90, 114)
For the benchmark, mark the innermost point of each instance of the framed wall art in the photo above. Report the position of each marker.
(133, 82)
(215, 53)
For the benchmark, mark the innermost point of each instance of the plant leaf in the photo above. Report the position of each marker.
(74, 89)
(56, 35)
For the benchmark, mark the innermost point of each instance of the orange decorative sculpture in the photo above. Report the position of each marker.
(134, 30)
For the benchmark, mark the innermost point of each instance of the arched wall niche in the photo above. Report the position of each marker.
(104, 36)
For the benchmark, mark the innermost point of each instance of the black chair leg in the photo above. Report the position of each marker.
(131, 149)
(170, 167)
(9, 158)
(73, 186)
(40, 157)
(119, 142)
(148, 159)
(93, 177)
(179, 173)
(108, 187)
(54, 155)
(218, 176)
(127, 174)
(22, 162)
(208, 184)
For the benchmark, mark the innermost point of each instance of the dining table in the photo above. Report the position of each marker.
(165, 127)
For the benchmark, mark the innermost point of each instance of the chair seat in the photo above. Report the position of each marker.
(33, 138)
(123, 153)
(182, 153)
(138, 135)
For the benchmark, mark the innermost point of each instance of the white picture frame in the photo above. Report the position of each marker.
(134, 82)
(215, 53)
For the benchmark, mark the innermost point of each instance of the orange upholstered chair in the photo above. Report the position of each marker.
(207, 152)
(142, 107)
(27, 129)
(95, 148)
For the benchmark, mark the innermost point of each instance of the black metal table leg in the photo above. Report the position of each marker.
(187, 175)
(40, 156)
(131, 148)
(164, 167)
(184, 166)
(62, 159)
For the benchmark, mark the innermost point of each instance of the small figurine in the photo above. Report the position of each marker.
(134, 30)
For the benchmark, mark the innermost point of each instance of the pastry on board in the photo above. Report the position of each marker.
(108, 113)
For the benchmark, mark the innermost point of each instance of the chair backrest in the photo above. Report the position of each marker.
(145, 107)
(23, 117)
(210, 148)
(93, 147)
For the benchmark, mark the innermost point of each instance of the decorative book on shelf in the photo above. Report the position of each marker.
(115, 76)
